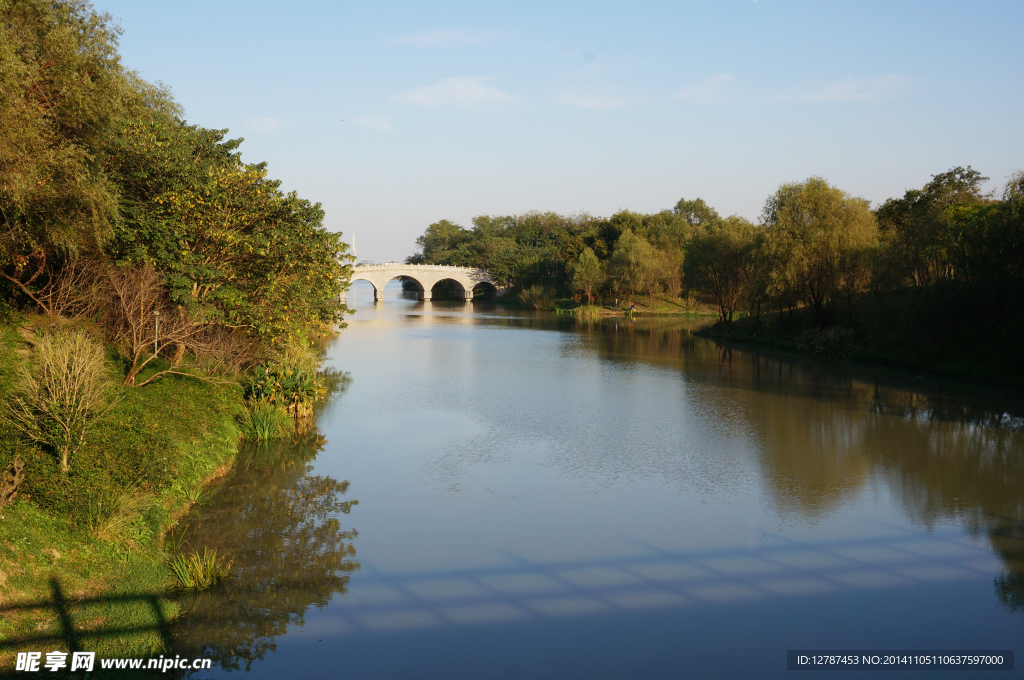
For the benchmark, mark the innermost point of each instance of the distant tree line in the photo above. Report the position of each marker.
(815, 246)
(942, 266)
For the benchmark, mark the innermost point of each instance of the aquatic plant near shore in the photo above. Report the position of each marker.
(588, 311)
(200, 571)
(265, 420)
(292, 387)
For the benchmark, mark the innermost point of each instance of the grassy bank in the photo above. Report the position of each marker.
(83, 560)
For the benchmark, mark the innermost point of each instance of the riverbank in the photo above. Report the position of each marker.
(84, 556)
(875, 344)
(659, 306)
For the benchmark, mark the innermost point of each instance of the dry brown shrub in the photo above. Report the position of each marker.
(57, 400)
(143, 322)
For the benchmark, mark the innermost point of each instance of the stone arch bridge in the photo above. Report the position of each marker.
(425, 276)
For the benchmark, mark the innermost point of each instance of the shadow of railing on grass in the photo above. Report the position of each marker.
(72, 635)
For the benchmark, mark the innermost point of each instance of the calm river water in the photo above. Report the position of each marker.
(505, 494)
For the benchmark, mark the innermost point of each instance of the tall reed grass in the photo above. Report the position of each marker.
(200, 571)
(265, 420)
(588, 311)
(110, 517)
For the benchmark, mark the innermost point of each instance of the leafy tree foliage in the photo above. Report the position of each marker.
(916, 227)
(697, 213)
(823, 232)
(588, 274)
(717, 263)
(233, 247)
(637, 265)
(95, 166)
(63, 93)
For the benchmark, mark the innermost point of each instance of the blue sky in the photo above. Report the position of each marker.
(395, 115)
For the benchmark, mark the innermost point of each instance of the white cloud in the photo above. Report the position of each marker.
(466, 92)
(375, 122)
(713, 90)
(852, 90)
(588, 100)
(266, 124)
(440, 39)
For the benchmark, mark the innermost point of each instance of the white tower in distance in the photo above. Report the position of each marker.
(353, 246)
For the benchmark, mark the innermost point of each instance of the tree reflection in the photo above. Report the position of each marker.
(946, 457)
(279, 526)
(825, 431)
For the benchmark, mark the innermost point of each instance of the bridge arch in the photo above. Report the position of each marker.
(425, 276)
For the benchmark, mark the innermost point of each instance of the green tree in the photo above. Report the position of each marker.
(638, 265)
(63, 92)
(588, 274)
(915, 228)
(697, 213)
(233, 248)
(440, 239)
(824, 230)
(717, 261)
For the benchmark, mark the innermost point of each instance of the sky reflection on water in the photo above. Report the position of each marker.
(540, 497)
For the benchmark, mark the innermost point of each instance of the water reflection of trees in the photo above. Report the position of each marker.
(279, 526)
(825, 432)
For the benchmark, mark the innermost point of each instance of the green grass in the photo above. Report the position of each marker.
(96, 534)
(663, 306)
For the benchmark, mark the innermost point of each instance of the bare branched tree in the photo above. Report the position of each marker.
(142, 321)
(63, 287)
(76, 291)
(57, 400)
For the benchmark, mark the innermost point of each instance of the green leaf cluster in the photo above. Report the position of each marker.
(96, 163)
(291, 387)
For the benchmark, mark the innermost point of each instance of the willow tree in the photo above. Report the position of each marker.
(825, 232)
(638, 265)
(716, 263)
(588, 274)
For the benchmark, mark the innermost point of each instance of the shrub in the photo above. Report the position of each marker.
(59, 399)
(537, 297)
(110, 516)
(292, 388)
(829, 343)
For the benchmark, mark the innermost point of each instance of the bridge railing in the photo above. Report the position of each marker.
(399, 265)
